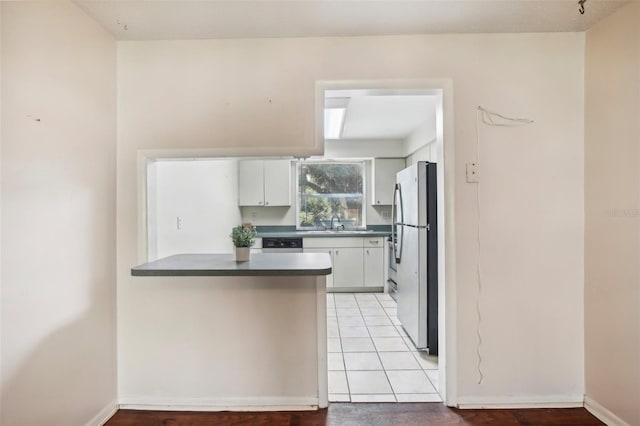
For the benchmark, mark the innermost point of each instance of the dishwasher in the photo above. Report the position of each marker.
(282, 245)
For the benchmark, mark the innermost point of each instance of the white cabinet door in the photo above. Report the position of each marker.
(384, 179)
(277, 183)
(330, 252)
(374, 267)
(251, 183)
(348, 267)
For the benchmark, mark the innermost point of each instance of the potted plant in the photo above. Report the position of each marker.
(243, 238)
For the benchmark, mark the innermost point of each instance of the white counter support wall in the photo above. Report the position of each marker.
(246, 343)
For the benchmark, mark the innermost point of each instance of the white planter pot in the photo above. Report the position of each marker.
(242, 254)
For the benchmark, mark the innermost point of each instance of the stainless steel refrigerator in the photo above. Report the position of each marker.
(416, 253)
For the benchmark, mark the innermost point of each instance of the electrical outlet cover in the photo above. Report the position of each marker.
(473, 173)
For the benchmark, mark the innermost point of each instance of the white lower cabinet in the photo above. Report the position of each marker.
(374, 267)
(357, 262)
(348, 265)
(328, 251)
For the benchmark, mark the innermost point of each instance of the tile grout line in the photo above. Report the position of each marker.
(395, 395)
(378, 353)
(344, 364)
(346, 379)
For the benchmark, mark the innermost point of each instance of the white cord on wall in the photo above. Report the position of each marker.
(486, 117)
(479, 353)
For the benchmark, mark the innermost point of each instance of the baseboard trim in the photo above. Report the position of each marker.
(219, 404)
(104, 415)
(602, 413)
(546, 401)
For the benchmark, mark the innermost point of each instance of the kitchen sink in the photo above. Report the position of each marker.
(322, 232)
(332, 231)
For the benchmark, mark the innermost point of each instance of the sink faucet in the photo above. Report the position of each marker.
(337, 228)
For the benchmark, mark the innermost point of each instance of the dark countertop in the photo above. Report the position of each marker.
(322, 234)
(260, 264)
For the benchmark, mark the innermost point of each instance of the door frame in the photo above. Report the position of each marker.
(445, 143)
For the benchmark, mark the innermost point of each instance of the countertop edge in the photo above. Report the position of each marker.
(224, 265)
(227, 273)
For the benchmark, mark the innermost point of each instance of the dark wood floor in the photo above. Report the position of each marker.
(361, 415)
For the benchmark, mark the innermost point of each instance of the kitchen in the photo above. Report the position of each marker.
(186, 216)
(135, 99)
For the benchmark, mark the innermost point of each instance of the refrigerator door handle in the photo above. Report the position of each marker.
(397, 246)
(393, 210)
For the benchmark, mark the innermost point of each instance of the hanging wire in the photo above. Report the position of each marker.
(478, 348)
(487, 117)
(581, 8)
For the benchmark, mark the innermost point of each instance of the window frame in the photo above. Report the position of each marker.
(361, 163)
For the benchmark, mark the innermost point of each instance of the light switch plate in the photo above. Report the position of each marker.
(473, 173)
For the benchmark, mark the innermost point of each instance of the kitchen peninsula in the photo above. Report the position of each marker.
(267, 350)
(267, 264)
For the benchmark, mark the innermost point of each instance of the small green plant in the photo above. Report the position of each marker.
(243, 235)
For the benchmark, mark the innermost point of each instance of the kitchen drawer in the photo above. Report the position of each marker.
(332, 242)
(374, 242)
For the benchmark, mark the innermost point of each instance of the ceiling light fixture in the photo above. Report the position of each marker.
(335, 110)
(333, 121)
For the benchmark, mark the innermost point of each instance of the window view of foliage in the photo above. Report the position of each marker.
(330, 190)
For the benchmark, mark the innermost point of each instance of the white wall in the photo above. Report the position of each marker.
(426, 153)
(204, 194)
(202, 94)
(419, 138)
(365, 148)
(612, 210)
(58, 216)
(1, 133)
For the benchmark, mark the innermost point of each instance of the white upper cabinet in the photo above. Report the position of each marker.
(251, 183)
(264, 183)
(277, 183)
(384, 178)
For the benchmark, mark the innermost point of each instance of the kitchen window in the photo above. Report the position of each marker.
(331, 194)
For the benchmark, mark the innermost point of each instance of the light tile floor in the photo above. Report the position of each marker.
(370, 358)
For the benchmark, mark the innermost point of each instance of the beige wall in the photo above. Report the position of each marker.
(58, 216)
(1, 339)
(257, 97)
(612, 214)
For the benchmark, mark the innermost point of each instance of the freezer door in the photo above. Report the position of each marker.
(409, 291)
(413, 186)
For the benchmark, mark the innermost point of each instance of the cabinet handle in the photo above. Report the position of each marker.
(259, 203)
(336, 251)
(378, 201)
(266, 204)
(367, 252)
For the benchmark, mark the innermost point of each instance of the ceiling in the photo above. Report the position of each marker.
(387, 117)
(166, 20)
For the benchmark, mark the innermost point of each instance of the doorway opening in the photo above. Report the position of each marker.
(374, 350)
